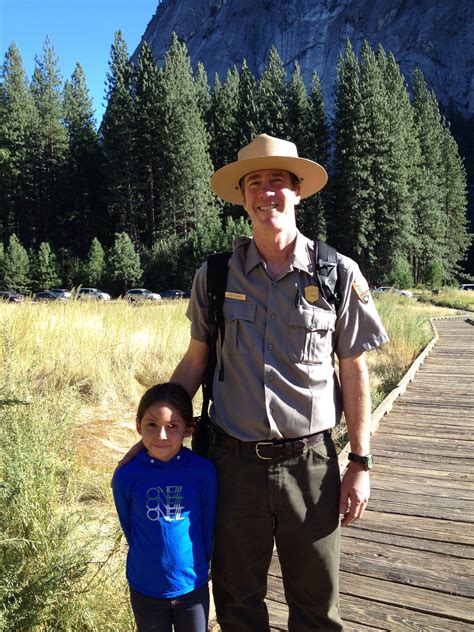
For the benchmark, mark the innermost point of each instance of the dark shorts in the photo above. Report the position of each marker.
(186, 613)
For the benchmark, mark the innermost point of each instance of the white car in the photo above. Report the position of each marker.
(92, 293)
(467, 286)
(141, 294)
(385, 289)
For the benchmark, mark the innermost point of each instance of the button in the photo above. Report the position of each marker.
(274, 283)
(152, 460)
(270, 346)
(273, 315)
(271, 378)
(231, 316)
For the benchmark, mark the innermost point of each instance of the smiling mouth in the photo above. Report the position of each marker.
(267, 207)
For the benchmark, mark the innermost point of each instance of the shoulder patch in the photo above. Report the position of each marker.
(361, 289)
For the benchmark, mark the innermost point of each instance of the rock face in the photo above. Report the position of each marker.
(435, 35)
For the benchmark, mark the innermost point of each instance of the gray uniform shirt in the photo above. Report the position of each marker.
(280, 340)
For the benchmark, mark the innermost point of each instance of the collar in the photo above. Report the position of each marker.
(178, 459)
(302, 255)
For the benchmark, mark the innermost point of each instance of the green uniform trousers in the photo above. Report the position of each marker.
(293, 502)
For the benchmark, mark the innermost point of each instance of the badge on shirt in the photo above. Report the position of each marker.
(236, 296)
(311, 293)
(362, 290)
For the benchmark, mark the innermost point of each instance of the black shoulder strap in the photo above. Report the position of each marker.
(326, 271)
(217, 266)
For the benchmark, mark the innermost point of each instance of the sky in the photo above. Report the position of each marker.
(79, 30)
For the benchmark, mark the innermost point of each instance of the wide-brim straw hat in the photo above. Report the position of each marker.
(267, 152)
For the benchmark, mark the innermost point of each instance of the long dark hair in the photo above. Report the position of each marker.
(168, 393)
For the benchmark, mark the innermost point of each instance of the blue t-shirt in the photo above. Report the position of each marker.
(167, 512)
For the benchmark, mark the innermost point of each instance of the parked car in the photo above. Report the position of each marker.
(92, 293)
(11, 297)
(467, 286)
(172, 295)
(48, 295)
(384, 289)
(61, 291)
(141, 294)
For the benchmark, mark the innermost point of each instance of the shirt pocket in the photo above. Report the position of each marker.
(239, 326)
(310, 334)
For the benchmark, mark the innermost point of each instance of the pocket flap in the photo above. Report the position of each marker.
(312, 318)
(239, 310)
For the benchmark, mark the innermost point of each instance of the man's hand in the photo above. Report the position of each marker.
(355, 493)
(134, 450)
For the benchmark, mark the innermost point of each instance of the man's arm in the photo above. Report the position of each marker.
(355, 489)
(190, 370)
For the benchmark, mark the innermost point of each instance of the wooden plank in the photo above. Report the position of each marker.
(434, 486)
(453, 549)
(356, 612)
(424, 569)
(417, 506)
(420, 599)
(403, 469)
(449, 531)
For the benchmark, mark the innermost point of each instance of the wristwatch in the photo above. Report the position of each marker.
(367, 461)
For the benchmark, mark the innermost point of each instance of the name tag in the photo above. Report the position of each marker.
(236, 296)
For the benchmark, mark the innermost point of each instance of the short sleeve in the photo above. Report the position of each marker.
(197, 311)
(358, 325)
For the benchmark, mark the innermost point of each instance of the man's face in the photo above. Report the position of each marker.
(270, 198)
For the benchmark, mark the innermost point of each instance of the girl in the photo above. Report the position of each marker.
(166, 500)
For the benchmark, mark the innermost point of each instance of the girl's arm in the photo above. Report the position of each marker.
(122, 504)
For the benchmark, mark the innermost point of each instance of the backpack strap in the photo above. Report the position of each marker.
(326, 272)
(217, 267)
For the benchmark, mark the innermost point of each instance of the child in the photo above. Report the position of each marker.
(166, 501)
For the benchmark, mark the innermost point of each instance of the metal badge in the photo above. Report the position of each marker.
(311, 293)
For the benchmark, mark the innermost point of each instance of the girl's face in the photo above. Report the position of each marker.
(163, 431)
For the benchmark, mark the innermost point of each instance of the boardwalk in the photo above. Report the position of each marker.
(408, 565)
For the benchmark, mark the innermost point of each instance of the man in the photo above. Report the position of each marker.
(272, 413)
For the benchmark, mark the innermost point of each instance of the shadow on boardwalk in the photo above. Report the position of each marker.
(408, 564)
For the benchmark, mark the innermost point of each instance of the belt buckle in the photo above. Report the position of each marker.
(264, 458)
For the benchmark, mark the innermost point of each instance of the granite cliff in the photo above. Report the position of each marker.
(435, 35)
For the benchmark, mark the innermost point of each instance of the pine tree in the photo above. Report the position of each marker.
(16, 267)
(429, 221)
(117, 131)
(123, 264)
(222, 116)
(82, 192)
(46, 87)
(351, 222)
(18, 119)
(454, 184)
(313, 210)
(184, 153)
(400, 151)
(203, 97)
(272, 97)
(94, 268)
(247, 116)
(46, 268)
(147, 124)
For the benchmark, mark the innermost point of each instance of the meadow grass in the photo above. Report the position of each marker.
(456, 299)
(69, 376)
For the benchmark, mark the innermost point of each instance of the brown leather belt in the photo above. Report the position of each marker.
(266, 450)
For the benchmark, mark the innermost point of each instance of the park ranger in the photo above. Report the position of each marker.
(280, 397)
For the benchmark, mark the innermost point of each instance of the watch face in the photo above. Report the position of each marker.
(369, 461)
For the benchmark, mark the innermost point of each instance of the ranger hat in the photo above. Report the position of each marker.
(267, 152)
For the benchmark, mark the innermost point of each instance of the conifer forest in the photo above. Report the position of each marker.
(129, 203)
